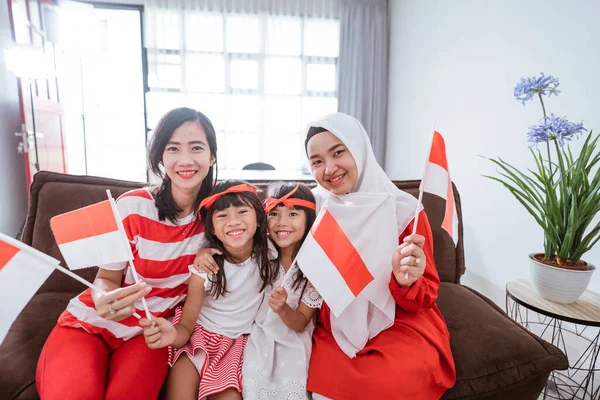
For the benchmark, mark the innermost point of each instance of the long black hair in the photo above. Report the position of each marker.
(260, 241)
(304, 193)
(167, 209)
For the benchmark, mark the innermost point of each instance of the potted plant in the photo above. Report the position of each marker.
(562, 193)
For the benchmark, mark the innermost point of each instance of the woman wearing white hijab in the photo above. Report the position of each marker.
(408, 354)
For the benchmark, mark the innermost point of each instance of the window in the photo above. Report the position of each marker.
(259, 78)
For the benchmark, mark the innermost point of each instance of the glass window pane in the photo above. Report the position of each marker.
(242, 149)
(167, 76)
(244, 74)
(203, 32)
(41, 86)
(284, 36)
(242, 113)
(316, 107)
(282, 114)
(205, 73)
(156, 58)
(164, 70)
(157, 104)
(243, 34)
(168, 30)
(284, 151)
(211, 105)
(19, 11)
(321, 37)
(34, 14)
(320, 77)
(283, 75)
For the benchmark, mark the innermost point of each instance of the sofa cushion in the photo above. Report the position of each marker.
(491, 352)
(449, 258)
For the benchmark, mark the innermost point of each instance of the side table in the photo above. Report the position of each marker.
(556, 323)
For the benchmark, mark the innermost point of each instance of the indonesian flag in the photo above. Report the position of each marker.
(342, 254)
(91, 236)
(22, 271)
(436, 180)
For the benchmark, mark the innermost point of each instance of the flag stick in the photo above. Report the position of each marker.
(417, 211)
(136, 278)
(86, 283)
(289, 271)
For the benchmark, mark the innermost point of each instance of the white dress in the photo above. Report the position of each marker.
(276, 358)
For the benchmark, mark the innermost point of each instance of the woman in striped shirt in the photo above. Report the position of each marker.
(96, 351)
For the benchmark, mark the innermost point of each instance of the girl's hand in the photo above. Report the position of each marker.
(158, 333)
(205, 262)
(409, 258)
(277, 300)
(118, 304)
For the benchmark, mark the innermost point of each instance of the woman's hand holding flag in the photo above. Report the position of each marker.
(409, 261)
(118, 304)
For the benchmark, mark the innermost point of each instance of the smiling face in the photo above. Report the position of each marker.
(286, 226)
(235, 227)
(331, 163)
(187, 157)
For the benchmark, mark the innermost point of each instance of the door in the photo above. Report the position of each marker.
(33, 59)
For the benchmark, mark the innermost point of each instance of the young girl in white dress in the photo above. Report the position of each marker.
(278, 351)
(208, 336)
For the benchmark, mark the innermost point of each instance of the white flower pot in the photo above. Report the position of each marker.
(559, 284)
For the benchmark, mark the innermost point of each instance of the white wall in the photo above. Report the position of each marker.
(13, 191)
(458, 62)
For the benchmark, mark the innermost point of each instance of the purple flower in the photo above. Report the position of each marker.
(526, 88)
(554, 128)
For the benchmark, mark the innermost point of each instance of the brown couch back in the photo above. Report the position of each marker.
(54, 193)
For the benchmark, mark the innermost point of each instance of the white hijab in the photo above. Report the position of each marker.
(362, 320)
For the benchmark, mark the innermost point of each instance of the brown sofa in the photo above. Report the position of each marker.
(495, 358)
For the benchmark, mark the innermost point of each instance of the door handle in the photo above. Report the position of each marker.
(23, 146)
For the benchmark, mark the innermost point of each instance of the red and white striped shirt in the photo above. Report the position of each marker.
(162, 252)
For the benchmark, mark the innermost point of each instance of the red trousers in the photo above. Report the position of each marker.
(75, 364)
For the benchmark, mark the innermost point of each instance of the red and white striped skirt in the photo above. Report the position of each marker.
(218, 359)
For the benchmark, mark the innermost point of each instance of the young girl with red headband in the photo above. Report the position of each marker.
(278, 350)
(208, 336)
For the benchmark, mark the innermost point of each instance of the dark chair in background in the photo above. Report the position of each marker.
(259, 166)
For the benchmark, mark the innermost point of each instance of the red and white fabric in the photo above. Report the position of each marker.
(338, 256)
(218, 359)
(436, 180)
(162, 252)
(22, 271)
(91, 235)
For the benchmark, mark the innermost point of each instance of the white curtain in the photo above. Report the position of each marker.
(259, 70)
(363, 67)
